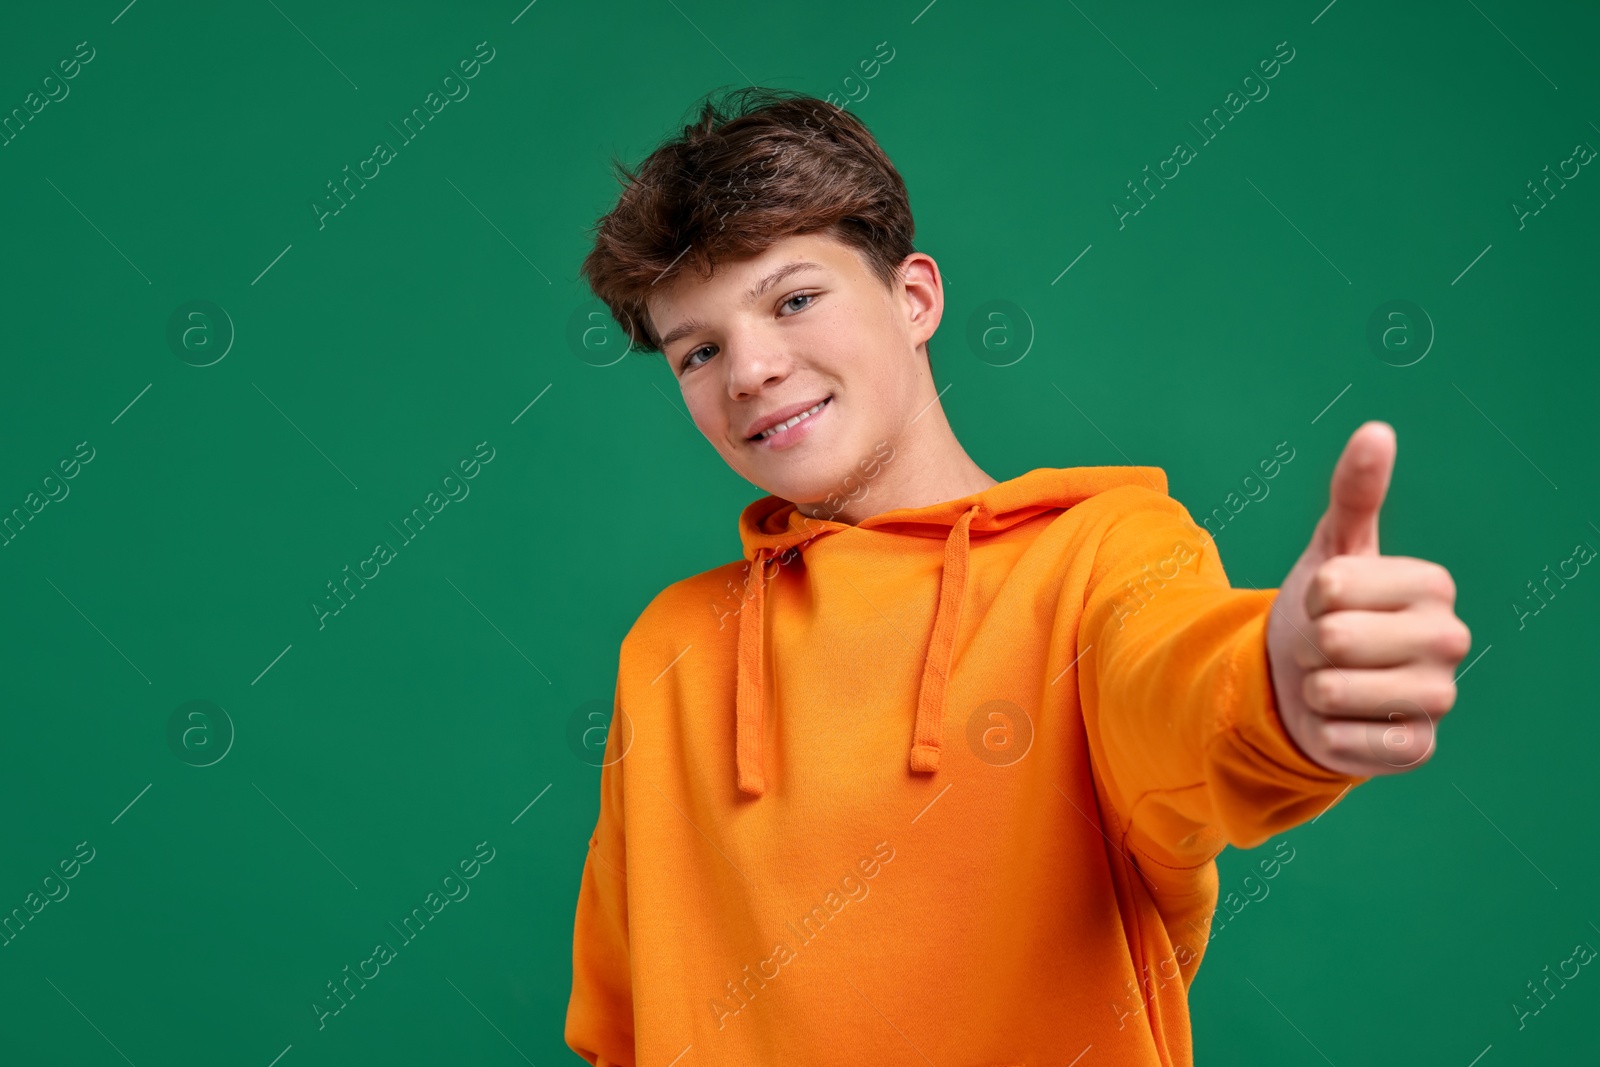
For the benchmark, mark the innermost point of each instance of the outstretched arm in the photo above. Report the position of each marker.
(1205, 726)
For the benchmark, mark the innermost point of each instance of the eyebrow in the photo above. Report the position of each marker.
(689, 326)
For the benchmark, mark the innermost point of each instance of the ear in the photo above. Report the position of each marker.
(921, 292)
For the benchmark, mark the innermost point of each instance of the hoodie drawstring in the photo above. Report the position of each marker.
(750, 699)
(928, 732)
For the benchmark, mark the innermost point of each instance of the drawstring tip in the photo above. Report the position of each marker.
(924, 758)
(751, 782)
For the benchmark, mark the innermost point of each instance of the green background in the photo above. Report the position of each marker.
(442, 308)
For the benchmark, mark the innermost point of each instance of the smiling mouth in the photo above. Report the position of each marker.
(797, 420)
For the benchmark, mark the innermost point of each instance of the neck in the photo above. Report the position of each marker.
(928, 467)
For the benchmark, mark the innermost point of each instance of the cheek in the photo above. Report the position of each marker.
(706, 415)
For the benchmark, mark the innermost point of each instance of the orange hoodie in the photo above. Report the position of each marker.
(944, 786)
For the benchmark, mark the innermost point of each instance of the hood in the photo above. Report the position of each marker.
(774, 532)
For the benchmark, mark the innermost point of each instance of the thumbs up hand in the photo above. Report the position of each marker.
(1362, 647)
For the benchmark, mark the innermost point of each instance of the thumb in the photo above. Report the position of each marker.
(1360, 480)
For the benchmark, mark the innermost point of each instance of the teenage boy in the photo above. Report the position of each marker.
(938, 772)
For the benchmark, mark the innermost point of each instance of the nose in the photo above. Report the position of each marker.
(753, 362)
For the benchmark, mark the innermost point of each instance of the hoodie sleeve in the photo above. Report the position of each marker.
(599, 1025)
(1177, 697)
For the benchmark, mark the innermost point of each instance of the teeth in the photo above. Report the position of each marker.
(782, 426)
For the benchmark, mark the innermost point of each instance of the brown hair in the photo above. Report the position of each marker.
(762, 165)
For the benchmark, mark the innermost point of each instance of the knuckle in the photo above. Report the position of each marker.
(1453, 641)
(1326, 582)
(1320, 691)
(1418, 760)
(1332, 637)
(1441, 584)
(1335, 738)
(1439, 698)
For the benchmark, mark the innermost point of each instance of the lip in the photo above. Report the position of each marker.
(794, 434)
(766, 422)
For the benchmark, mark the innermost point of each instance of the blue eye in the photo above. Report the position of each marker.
(810, 298)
